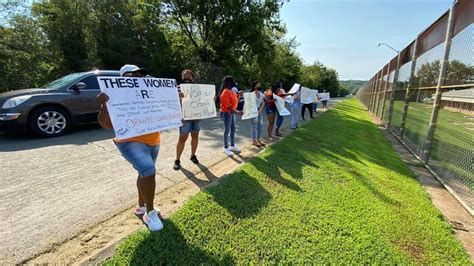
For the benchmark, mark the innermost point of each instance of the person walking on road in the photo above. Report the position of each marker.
(228, 107)
(189, 127)
(141, 152)
(257, 122)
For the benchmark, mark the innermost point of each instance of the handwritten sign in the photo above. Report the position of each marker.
(139, 106)
(198, 101)
(294, 89)
(308, 96)
(325, 96)
(280, 105)
(250, 106)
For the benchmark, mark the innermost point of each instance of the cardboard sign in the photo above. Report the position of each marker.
(250, 106)
(139, 106)
(325, 96)
(280, 105)
(198, 101)
(294, 89)
(308, 96)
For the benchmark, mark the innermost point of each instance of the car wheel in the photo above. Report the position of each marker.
(49, 122)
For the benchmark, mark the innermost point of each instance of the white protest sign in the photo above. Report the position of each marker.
(198, 101)
(139, 106)
(250, 106)
(307, 95)
(294, 89)
(325, 96)
(280, 105)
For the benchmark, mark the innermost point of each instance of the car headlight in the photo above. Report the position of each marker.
(15, 101)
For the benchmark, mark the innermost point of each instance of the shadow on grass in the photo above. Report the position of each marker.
(240, 194)
(275, 173)
(170, 247)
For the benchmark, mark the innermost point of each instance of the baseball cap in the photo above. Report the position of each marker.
(132, 68)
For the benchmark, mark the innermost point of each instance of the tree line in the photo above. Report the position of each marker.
(42, 41)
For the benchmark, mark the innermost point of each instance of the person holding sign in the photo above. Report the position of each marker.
(228, 106)
(141, 152)
(271, 109)
(189, 126)
(295, 108)
(257, 121)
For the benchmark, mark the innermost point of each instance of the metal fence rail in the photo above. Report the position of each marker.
(425, 97)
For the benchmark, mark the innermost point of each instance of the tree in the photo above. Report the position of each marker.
(25, 58)
(64, 22)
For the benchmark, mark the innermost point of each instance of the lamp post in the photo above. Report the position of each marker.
(395, 50)
(395, 80)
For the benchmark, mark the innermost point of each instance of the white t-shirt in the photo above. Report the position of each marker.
(260, 97)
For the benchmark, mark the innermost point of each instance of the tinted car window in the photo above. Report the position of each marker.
(59, 83)
(91, 82)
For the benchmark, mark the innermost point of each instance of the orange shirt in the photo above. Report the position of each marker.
(150, 139)
(228, 100)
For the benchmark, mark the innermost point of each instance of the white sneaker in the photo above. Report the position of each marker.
(234, 149)
(152, 220)
(228, 152)
(142, 210)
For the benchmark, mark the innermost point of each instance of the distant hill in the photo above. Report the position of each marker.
(352, 85)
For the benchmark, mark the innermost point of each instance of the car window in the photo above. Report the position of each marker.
(91, 82)
(61, 82)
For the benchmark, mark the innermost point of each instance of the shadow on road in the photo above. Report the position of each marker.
(79, 135)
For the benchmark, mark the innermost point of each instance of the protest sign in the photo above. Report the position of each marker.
(308, 96)
(294, 89)
(198, 101)
(250, 106)
(139, 106)
(324, 96)
(280, 105)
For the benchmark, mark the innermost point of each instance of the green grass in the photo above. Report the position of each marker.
(332, 192)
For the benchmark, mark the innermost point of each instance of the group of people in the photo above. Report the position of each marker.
(142, 151)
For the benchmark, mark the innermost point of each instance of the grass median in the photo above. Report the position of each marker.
(332, 192)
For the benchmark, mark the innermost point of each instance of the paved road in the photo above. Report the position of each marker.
(52, 189)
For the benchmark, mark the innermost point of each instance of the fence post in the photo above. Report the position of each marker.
(374, 91)
(378, 99)
(392, 94)
(441, 81)
(372, 98)
(385, 92)
(407, 93)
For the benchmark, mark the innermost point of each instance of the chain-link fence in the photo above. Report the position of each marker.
(425, 96)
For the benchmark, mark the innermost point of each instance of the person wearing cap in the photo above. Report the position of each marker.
(189, 126)
(141, 152)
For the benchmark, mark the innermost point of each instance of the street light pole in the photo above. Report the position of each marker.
(395, 80)
(395, 50)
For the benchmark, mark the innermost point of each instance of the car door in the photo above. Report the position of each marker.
(83, 102)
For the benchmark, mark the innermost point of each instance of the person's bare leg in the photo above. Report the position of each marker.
(194, 142)
(180, 146)
(141, 203)
(147, 188)
(271, 122)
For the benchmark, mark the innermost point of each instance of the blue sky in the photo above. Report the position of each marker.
(343, 34)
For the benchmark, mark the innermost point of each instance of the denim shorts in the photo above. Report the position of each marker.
(270, 110)
(141, 156)
(190, 126)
